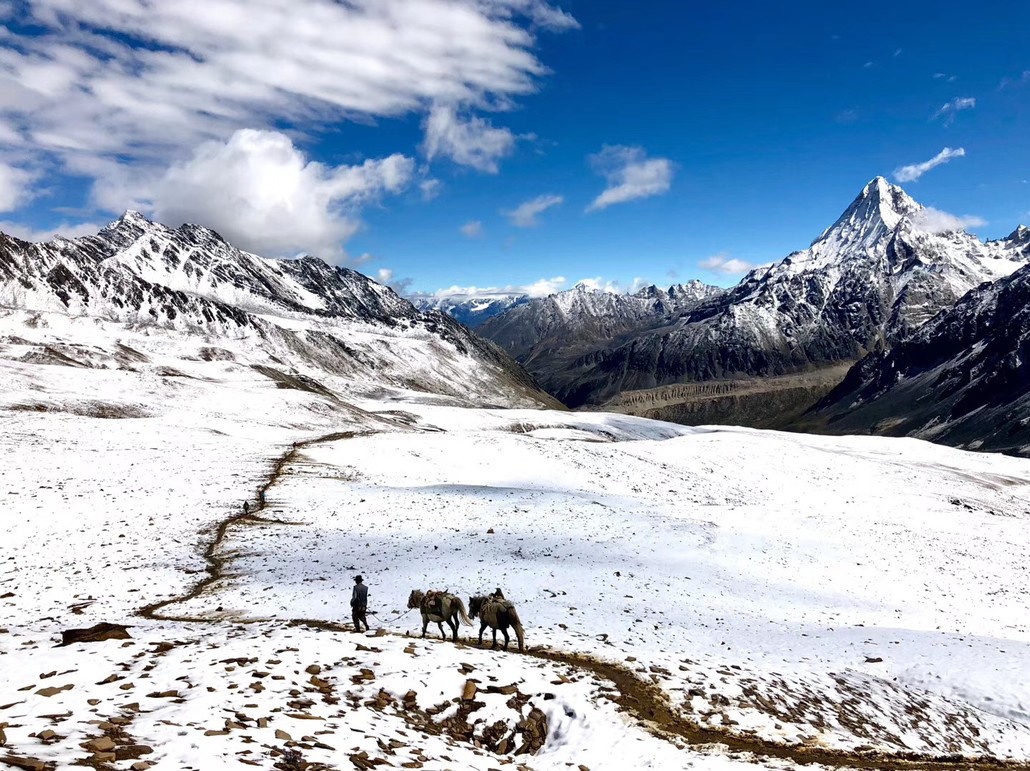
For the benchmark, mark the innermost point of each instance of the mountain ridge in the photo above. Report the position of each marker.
(880, 271)
(304, 313)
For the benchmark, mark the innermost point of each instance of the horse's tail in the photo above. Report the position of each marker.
(516, 622)
(461, 612)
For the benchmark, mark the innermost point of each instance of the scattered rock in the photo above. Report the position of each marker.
(52, 691)
(29, 764)
(100, 744)
(314, 669)
(282, 736)
(95, 633)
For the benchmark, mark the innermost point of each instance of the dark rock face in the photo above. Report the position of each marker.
(962, 379)
(189, 279)
(869, 281)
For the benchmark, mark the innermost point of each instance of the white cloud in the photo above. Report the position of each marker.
(599, 284)
(930, 220)
(956, 105)
(916, 170)
(726, 265)
(65, 229)
(630, 174)
(430, 188)
(526, 215)
(262, 194)
(120, 90)
(14, 187)
(540, 288)
(472, 229)
(466, 140)
(545, 16)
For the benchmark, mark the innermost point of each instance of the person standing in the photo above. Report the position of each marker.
(359, 604)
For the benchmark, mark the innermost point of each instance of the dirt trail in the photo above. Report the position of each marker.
(643, 700)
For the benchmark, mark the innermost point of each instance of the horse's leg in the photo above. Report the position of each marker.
(504, 631)
(453, 621)
(425, 625)
(443, 634)
(482, 628)
(495, 639)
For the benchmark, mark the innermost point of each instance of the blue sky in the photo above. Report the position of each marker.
(511, 143)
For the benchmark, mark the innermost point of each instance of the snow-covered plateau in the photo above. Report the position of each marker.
(692, 597)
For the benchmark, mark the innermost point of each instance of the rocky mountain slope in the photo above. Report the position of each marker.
(880, 271)
(962, 379)
(470, 311)
(561, 334)
(289, 316)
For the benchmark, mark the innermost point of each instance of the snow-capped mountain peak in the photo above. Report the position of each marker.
(871, 217)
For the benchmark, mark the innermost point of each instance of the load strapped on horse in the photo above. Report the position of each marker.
(498, 613)
(439, 607)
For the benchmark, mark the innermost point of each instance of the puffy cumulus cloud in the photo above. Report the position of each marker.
(526, 215)
(599, 284)
(949, 110)
(262, 194)
(64, 229)
(14, 186)
(472, 229)
(630, 174)
(466, 140)
(930, 220)
(914, 171)
(120, 89)
(726, 265)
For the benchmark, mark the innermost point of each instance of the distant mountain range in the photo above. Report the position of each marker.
(765, 350)
(285, 317)
(470, 311)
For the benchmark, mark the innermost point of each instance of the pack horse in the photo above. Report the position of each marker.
(497, 614)
(440, 607)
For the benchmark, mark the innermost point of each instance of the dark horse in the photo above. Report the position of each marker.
(439, 607)
(498, 614)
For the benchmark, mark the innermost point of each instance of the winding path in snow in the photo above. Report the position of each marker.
(643, 700)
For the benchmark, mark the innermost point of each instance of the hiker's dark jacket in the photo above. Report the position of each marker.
(359, 597)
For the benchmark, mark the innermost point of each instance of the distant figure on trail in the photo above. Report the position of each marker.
(359, 604)
(246, 508)
(261, 497)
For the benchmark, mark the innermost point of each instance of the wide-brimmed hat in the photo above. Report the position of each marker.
(357, 578)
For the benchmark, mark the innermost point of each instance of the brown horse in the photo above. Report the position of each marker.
(439, 607)
(498, 614)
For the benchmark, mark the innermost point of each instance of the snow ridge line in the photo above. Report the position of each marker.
(642, 700)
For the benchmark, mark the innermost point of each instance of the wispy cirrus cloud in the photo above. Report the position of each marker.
(914, 171)
(120, 91)
(949, 110)
(472, 229)
(630, 175)
(724, 264)
(527, 214)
